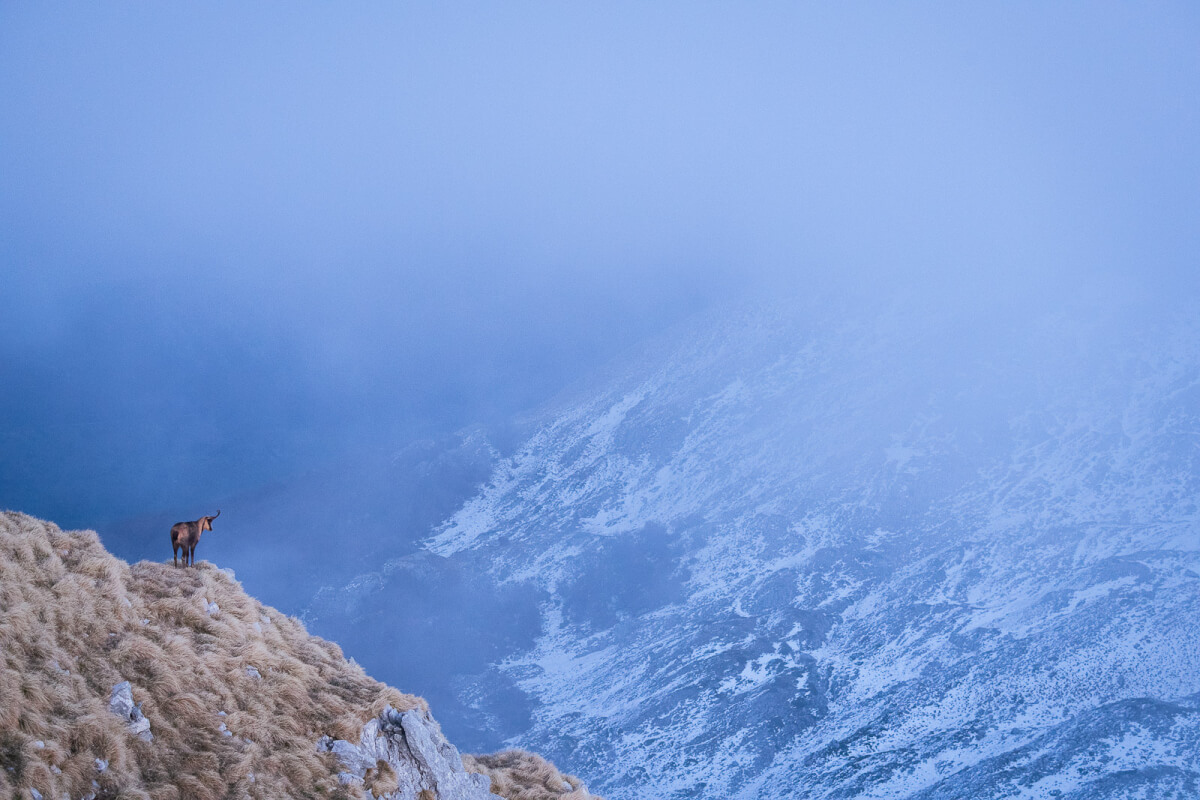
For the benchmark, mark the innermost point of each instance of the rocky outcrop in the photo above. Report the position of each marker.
(402, 755)
(121, 703)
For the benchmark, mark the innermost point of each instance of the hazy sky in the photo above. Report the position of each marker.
(237, 241)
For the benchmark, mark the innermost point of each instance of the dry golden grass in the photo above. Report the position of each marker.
(75, 621)
(519, 775)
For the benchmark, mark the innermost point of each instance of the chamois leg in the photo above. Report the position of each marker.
(192, 556)
(174, 554)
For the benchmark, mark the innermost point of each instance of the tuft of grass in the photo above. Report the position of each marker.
(382, 780)
(520, 775)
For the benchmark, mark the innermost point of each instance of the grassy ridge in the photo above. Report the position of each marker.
(237, 693)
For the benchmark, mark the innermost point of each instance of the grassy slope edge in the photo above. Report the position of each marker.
(237, 693)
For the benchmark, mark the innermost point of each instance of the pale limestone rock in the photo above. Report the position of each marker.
(121, 703)
(412, 745)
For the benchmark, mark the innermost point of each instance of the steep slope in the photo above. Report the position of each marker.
(152, 681)
(827, 554)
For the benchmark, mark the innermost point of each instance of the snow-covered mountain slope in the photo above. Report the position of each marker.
(800, 554)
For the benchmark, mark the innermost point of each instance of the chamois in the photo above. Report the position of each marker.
(186, 535)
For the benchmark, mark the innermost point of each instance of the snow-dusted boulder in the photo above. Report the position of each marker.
(412, 747)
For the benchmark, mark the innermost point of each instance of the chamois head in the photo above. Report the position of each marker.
(206, 522)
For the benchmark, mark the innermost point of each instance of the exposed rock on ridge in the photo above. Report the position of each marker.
(406, 745)
(121, 703)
